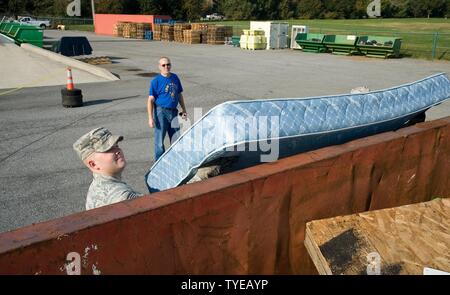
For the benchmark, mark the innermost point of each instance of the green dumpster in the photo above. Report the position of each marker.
(379, 46)
(2, 27)
(23, 33)
(11, 29)
(29, 34)
(340, 44)
(311, 42)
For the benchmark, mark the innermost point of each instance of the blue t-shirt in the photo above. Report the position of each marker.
(166, 90)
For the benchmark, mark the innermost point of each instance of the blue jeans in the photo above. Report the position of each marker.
(166, 121)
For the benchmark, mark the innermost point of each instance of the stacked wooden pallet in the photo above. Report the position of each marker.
(203, 28)
(129, 30)
(192, 37)
(199, 26)
(216, 35)
(133, 30)
(126, 30)
(141, 28)
(157, 32)
(118, 29)
(167, 32)
(179, 31)
(228, 31)
(204, 36)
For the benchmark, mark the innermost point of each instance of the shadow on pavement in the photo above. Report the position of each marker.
(102, 101)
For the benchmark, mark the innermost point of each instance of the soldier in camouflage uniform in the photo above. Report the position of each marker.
(99, 151)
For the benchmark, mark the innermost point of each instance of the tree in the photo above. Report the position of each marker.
(108, 6)
(173, 8)
(236, 9)
(359, 9)
(149, 7)
(59, 8)
(86, 9)
(265, 9)
(435, 8)
(192, 9)
(130, 6)
(287, 9)
(339, 8)
(389, 9)
(430, 8)
(310, 8)
(15, 7)
(3, 6)
(447, 14)
(43, 7)
(215, 5)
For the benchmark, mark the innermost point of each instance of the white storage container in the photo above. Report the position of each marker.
(275, 32)
(294, 32)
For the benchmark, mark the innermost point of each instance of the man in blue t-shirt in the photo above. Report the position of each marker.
(164, 95)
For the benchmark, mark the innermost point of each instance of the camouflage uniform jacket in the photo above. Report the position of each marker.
(105, 190)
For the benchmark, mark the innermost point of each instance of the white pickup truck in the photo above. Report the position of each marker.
(214, 16)
(43, 24)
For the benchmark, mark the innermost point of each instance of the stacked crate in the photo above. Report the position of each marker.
(179, 31)
(118, 29)
(228, 31)
(192, 37)
(148, 35)
(228, 34)
(216, 35)
(133, 30)
(204, 36)
(141, 28)
(253, 40)
(157, 32)
(203, 28)
(126, 30)
(199, 26)
(167, 32)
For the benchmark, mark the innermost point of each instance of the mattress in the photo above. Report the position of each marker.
(250, 132)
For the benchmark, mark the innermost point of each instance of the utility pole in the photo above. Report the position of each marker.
(93, 8)
(93, 12)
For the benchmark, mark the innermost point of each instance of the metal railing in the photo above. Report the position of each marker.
(55, 20)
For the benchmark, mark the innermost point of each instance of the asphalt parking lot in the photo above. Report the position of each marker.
(40, 175)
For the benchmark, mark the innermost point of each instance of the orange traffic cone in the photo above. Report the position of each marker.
(71, 97)
(69, 79)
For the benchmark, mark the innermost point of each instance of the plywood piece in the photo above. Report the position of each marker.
(404, 239)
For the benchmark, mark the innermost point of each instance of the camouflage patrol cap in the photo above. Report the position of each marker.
(99, 140)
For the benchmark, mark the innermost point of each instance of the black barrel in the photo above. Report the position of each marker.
(72, 98)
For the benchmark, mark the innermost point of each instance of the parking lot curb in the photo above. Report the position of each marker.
(71, 62)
